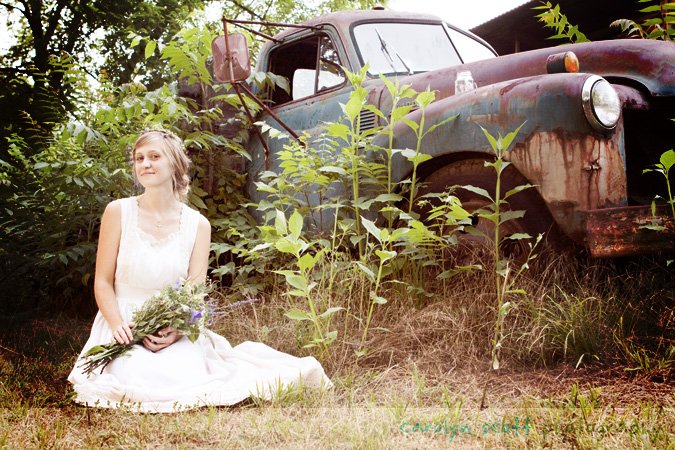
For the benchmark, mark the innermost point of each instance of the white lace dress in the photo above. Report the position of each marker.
(183, 375)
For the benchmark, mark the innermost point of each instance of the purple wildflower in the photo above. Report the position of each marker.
(176, 286)
(196, 315)
(235, 305)
(243, 302)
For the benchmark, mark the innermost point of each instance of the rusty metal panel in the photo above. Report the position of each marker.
(573, 174)
(617, 232)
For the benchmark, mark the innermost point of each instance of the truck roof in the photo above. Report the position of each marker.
(343, 19)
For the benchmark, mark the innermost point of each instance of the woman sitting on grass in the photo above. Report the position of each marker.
(147, 243)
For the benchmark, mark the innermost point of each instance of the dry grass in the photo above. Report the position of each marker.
(418, 381)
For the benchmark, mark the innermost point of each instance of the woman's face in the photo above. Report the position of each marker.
(152, 166)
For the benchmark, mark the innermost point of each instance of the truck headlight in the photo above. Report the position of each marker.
(601, 103)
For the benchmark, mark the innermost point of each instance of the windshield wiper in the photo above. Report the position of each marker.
(385, 46)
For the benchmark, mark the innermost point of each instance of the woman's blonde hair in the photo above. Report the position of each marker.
(175, 151)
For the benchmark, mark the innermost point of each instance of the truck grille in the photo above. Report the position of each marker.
(367, 120)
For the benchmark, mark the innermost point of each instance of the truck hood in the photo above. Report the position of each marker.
(644, 64)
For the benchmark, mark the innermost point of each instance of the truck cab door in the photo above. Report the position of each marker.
(313, 66)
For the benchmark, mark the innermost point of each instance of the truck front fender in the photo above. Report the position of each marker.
(574, 167)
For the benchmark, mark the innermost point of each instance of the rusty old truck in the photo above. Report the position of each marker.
(595, 116)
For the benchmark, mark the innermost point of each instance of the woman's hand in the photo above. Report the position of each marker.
(164, 338)
(122, 333)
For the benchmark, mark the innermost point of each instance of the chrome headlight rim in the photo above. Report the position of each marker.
(590, 85)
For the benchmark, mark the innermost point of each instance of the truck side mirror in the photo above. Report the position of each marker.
(233, 67)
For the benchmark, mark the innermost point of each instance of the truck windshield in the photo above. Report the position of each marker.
(392, 48)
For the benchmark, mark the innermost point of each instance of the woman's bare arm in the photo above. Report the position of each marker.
(104, 280)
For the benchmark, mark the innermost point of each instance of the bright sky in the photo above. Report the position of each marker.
(462, 13)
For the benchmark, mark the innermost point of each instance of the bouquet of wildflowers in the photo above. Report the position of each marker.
(181, 306)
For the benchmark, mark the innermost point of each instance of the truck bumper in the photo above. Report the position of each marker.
(614, 232)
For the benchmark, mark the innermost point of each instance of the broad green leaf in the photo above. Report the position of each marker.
(668, 159)
(385, 255)
(655, 168)
(476, 232)
(517, 189)
(372, 228)
(369, 273)
(652, 22)
(330, 311)
(286, 246)
(518, 236)
(652, 8)
(198, 202)
(282, 82)
(331, 336)
(356, 239)
(491, 140)
(263, 246)
(375, 111)
(150, 49)
(297, 293)
(379, 300)
(296, 314)
(338, 130)
(510, 215)
(433, 127)
(280, 223)
(414, 125)
(355, 103)
(425, 98)
(332, 169)
(400, 112)
(499, 164)
(420, 158)
(307, 262)
(297, 281)
(388, 198)
(408, 153)
(295, 224)
(480, 191)
(95, 349)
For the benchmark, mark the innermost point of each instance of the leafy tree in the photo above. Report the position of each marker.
(36, 89)
(289, 10)
(659, 27)
(553, 18)
(158, 22)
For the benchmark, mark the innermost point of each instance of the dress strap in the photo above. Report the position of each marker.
(129, 214)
